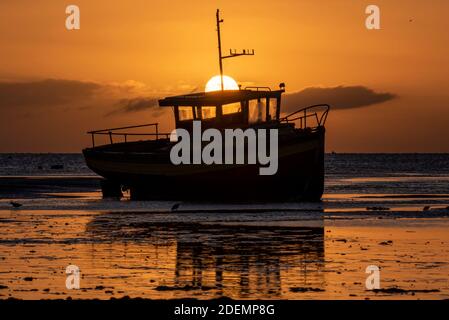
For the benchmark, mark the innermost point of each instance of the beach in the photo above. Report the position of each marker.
(388, 211)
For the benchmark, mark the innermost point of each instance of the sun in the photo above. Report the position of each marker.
(214, 84)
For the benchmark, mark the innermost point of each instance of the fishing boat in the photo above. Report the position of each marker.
(145, 167)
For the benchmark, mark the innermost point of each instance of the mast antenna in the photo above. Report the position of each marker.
(232, 53)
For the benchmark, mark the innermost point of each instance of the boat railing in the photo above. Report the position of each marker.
(318, 112)
(111, 132)
(256, 88)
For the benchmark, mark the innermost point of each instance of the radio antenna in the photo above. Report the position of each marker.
(232, 53)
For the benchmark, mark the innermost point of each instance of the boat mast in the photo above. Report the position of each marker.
(232, 53)
(220, 59)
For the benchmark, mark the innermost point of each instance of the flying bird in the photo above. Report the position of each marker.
(175, 207)
(15, 204)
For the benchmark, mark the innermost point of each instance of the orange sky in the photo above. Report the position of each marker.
(137, 48)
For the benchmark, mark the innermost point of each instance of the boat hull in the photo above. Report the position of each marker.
(150, 175)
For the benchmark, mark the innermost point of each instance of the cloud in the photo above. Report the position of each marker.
(340, 97)
(48, 92)
(32, 98)
(36, 97)
(135, 105)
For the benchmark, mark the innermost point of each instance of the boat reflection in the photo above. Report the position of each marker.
(244, 259)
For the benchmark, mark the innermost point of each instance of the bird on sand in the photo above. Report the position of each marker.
(175, 207)
(15, 204)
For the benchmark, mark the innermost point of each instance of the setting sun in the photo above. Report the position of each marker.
(214, 84)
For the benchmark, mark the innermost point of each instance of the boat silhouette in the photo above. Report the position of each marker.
(145, 168)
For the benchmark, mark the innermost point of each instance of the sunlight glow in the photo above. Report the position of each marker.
(214, 84)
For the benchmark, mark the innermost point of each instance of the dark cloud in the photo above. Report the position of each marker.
(135, 105)
(337, 97)
(47, 92)
(32, 97)
(132, 96)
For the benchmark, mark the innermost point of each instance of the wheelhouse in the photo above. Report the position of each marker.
(226, 109)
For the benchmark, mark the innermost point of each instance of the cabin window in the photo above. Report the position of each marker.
(273, 108)
(185, 113)
(211, 112)
(231, 108)
(257, 111)
(208, 112)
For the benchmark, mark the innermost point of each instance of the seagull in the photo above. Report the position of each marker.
(15, 204)
(175, 207)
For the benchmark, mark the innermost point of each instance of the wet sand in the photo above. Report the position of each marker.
(298, 255)
(154, 250)
(30, 187)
